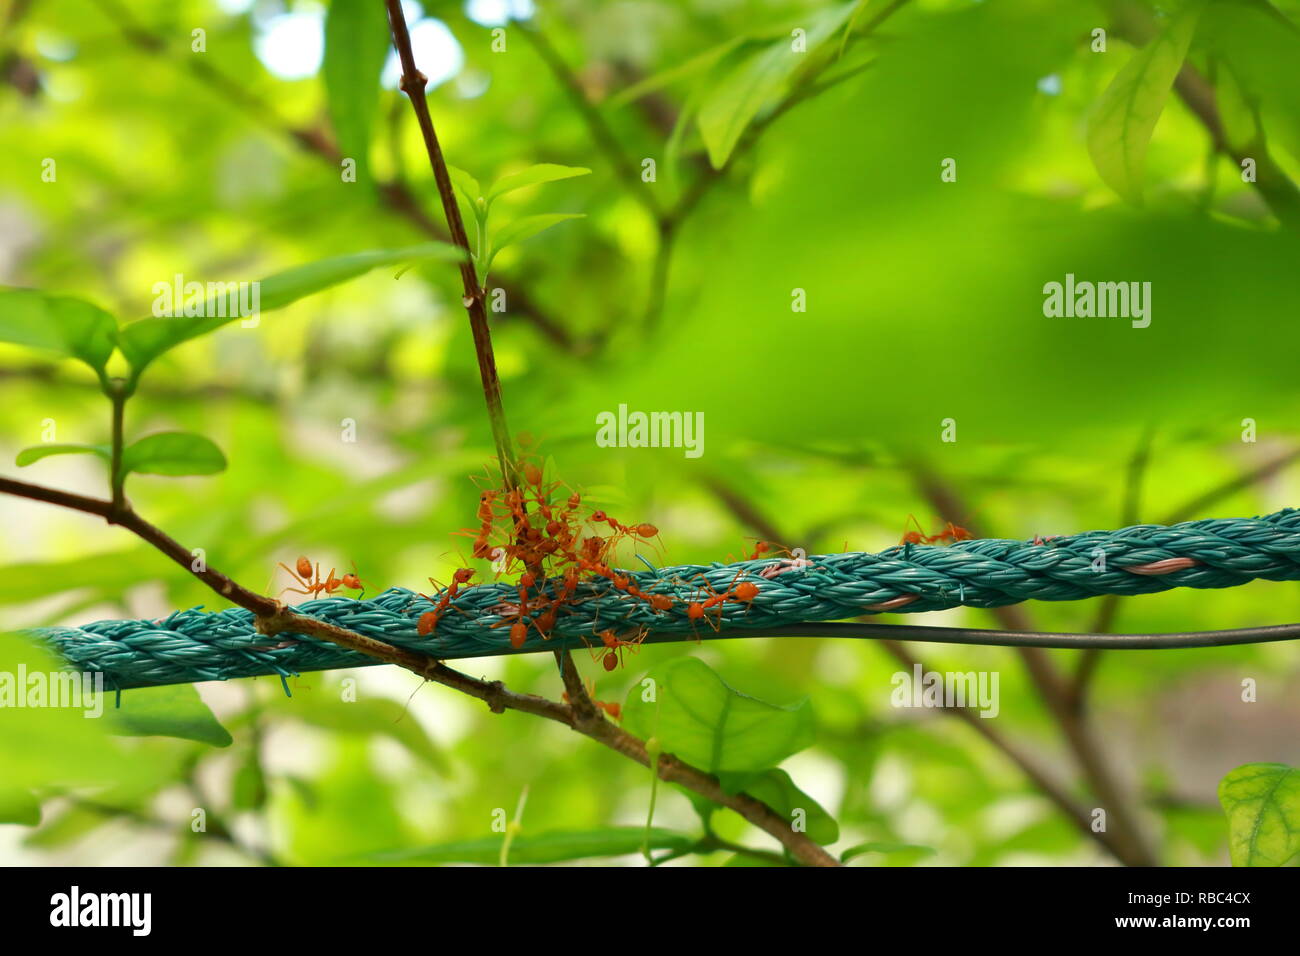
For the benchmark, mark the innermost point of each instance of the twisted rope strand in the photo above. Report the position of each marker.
(793, 594)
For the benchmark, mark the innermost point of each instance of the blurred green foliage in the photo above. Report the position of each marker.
(772, 174)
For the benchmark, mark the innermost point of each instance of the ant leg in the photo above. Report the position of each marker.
(297, 577)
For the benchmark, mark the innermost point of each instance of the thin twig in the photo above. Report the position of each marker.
(394, 193)
(601, 133)
(593, 725)
(1014, 637)
(413, 83)
(124, 516)
(275, 618)
(1053, 690)
(1077, 813)
(1110, 604)
(1139, 25)
(1090, 660)
(670, 221)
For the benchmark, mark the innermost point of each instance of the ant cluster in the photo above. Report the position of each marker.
(563, 555)
(555, 545)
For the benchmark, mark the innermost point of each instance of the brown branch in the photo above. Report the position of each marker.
(394, 193)
(1066, 803)
(1090, 659)
(581, 715)
(600, 130)
(1127, 838)
(671, 220)
(412, 84)
(585, 720)
(274, 618)
(124, 516)
(1108, 610)
(1271, 181)
(1053, 790)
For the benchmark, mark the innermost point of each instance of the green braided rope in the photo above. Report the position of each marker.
(194, 645)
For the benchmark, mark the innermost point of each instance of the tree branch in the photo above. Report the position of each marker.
(1110, 604)
(601, 133)
(394, 193)
(274, 618)
(1086, 669)
(586, 721)
(412, 84)
(124, 516)
(1271, 180)
(1128, 838)
(1054, 791)
(1078, 814)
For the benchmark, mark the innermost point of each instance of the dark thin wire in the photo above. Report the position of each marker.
(994, 638)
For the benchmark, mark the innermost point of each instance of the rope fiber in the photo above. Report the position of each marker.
(794, 594)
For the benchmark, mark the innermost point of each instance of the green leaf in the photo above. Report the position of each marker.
(737, 98)
(356, 45)
(249, 790)
(52, 747)
(1262, 801)
(861, 848)
(143, 341)
(776, 789)
(35, 453)
(60, 829)
(466, 184)
(368, 715)
(543, 848)
(533, 176)
(858, 7)
(699, 63)
(525, 228)
(173, 453)
(702, 720)
(1240, 126)
(19, 806)
(172, 711)
(57, 323)
(1257, 48)
(743, 860)
(1121, 124)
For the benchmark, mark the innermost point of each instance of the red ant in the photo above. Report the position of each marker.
(744, 592)
(611, 653)
(913, 537)
(429, 619)
(644, 530)
(951, 533)
(312, 583)
(613, 708)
